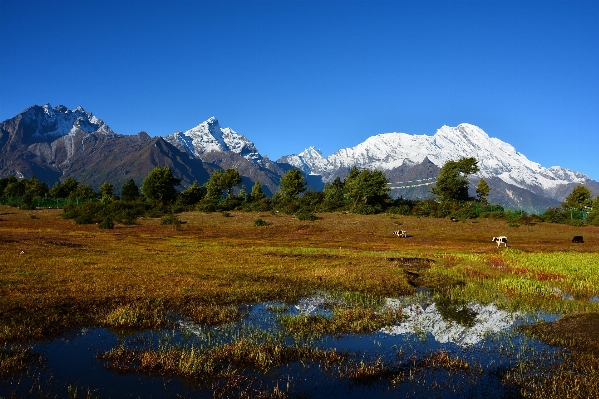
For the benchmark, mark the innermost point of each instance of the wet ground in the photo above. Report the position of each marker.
(439, 350)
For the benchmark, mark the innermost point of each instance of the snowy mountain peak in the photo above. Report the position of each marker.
(208, 136)
(311, 152)
(388, 151)
(60, 121)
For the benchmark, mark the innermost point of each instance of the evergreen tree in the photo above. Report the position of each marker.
(229, 180)
(333, 195)
(257, 193)
(129, 191)
(366, 187)
(452, 182)
(64, 189)
(160, 185)
(83, 192)
(191, 195)
(4, 182)
(107, 192)
(15, 188)
(578, 198)
(214, 186)
(482, 191)
(292, 184)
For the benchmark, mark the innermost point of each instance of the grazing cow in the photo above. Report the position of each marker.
(578, 239)
(500, 240)
(453, 219)
(401, 233)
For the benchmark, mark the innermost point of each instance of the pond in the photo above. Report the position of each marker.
(436, 349)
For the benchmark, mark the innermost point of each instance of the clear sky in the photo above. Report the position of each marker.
(291, 74)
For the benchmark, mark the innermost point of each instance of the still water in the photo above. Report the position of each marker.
(484, 337)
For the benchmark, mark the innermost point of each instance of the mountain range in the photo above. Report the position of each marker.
(53, 143)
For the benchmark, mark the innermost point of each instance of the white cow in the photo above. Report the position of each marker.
(401, 233)
(500, 240)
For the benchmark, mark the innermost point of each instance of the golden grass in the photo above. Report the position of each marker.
(55, 274)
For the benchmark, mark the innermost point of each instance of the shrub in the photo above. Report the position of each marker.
(170, 220)
(305, 215)
(259, 222)
(553, 215)
(106, 224)
(399, 210)
(84, 218)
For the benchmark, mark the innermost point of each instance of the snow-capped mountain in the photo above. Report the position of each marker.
(52, 143)
(60, 121)
(496, 159)
(208, 136)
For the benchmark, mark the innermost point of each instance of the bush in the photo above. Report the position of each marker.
(574, 222)
(206, 205)
(84, 218)
(553, 215)
(259, 222)
(106, 224)
(305, 215)
(170, 220)
(399, 210)
(365, 209)
(493, 215)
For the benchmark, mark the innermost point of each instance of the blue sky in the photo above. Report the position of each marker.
(290, 74)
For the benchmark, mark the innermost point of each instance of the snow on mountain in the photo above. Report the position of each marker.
(208, 136)
(310, 161)
(60, 121)
(391, 150)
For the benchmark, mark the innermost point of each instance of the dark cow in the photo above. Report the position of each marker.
(500, 240)
(578, 239)
(401, 233)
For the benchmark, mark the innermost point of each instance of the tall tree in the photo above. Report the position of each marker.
(83, 192)
(64, 189)
(366, 186)
(482, 191)
(191, 195)
(333, 195)
(257, 193)
(129, 191)
(214, 186)
(452, 182)
(5, 181)
(230, 179)
(578, 198)
(160, 185)
(107, 191)
(292, 184)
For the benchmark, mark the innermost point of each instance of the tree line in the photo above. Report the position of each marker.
(362, 191)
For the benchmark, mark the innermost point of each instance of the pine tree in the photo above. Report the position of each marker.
(482, 191)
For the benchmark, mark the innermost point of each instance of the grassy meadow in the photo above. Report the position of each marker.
(56, 275)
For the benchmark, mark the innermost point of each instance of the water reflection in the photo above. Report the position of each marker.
(463, 325)
(470, 331)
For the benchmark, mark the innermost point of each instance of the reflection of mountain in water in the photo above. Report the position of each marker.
(488, 319)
